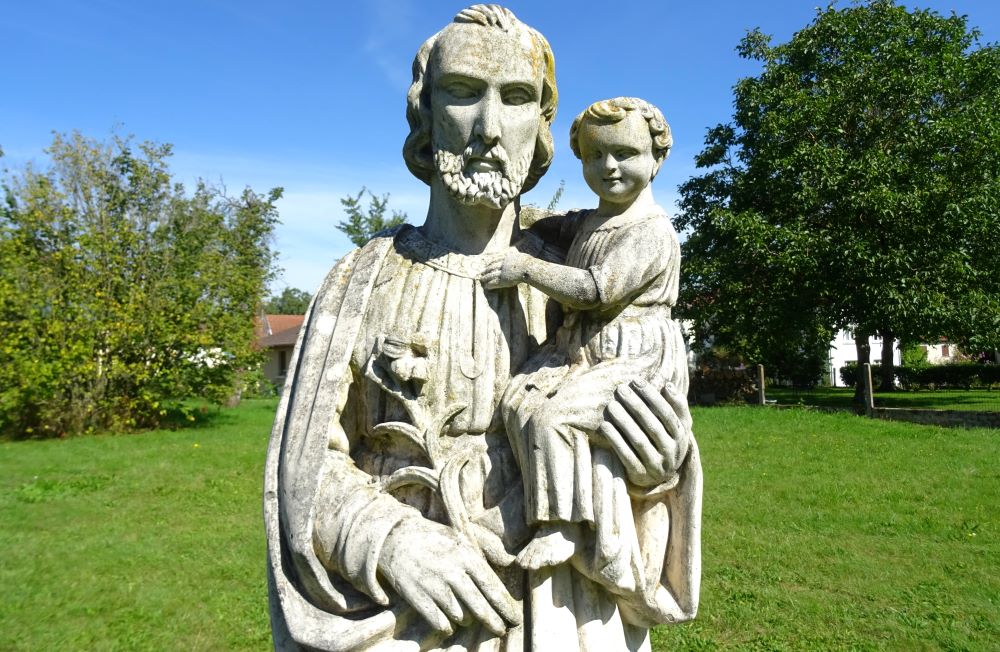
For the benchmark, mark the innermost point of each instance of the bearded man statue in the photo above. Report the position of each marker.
(393, 504)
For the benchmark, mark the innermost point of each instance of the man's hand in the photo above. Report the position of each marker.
(650, 432)
(444, 578)
(504, 270)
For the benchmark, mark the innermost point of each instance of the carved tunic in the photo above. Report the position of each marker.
(635, 263)
(470, 339)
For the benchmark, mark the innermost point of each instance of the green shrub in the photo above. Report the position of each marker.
(965, 375)
(121, 294)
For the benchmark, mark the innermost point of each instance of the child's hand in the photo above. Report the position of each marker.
(504, 270)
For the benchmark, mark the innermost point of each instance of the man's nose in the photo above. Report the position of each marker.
(488, 122)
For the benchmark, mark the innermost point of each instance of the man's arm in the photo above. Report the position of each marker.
(366, 535)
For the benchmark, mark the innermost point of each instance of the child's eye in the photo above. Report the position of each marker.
(625, 153)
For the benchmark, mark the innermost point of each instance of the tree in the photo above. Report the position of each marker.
(857, 186)
(119, 292)
(291, 301)
(556, 196)
(361, 226)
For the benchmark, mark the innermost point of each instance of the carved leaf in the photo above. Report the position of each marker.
(412, 475)
(404, 430)
(436, 429)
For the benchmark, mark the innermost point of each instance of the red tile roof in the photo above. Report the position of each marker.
(280, 330)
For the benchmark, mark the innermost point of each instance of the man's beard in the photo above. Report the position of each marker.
(495, 188)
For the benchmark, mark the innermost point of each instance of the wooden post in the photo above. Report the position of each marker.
(761, 397)
(866, 377)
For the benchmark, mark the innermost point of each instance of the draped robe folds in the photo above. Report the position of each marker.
(328, 507)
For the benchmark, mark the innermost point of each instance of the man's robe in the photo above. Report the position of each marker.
(399, 331)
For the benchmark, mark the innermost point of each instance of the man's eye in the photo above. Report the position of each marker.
(517, 96)
(461, 91)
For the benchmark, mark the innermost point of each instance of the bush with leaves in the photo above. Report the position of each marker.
(120, 293)
(962, 375)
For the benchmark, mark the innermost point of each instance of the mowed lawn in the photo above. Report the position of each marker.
(821, 531)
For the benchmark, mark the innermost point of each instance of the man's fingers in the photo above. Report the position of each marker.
(679, 403)
(648, 422)
(478, 605)
(449, 603)
(494, 590)
(621, 449)
(632, 432)
(428, 608)
(664, 410)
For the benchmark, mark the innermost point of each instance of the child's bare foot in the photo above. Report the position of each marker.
(554, 544)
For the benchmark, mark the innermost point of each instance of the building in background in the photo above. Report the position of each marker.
(277, 335)
(843, 351)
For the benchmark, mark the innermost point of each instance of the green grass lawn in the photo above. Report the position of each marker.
(820, 532)
(842, 397)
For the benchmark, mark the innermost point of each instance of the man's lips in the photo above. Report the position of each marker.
(482, 164)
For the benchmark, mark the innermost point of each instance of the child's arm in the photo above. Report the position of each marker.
(569, 286)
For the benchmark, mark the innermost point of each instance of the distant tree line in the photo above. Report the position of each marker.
(121, 294)
(291, 301)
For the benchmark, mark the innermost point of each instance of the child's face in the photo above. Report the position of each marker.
(617, 158)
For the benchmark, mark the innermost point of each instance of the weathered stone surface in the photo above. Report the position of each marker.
(416, 497)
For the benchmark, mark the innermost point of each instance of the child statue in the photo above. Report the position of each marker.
(617, 287)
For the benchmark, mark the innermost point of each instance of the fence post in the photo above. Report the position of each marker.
(761, 397)
(866, 378)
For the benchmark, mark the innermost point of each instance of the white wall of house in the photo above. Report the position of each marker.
(276, 364)
(941, 353)
(843, 350)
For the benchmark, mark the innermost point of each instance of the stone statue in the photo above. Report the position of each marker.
(394, 502)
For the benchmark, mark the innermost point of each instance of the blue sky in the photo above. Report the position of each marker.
(310, 96)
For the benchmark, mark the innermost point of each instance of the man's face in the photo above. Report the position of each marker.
(486, 102)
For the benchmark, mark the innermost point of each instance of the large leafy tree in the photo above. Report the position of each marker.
(120, 292)
(857, 186)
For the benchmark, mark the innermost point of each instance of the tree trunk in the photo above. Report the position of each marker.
(864, 350)
(888, 376)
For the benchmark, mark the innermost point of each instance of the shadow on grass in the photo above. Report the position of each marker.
(824, 397)
(194, 415)
(843, 398)
(950, 400)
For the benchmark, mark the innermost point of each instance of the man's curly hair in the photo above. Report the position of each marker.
(417, 150)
